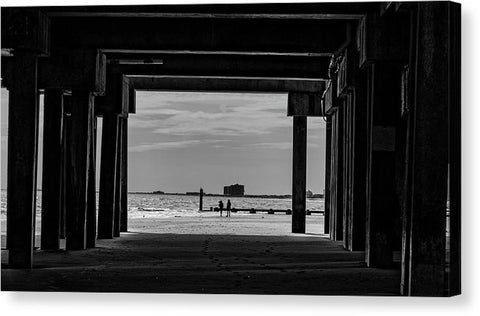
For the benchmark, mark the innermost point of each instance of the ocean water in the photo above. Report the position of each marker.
(159, 205)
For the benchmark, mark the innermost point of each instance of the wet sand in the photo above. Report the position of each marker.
(239, 255)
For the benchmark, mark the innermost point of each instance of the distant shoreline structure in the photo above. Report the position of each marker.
(261, 196)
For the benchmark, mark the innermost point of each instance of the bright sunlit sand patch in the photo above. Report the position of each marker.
(251, 225)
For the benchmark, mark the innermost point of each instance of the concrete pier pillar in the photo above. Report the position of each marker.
(429, 143)
(124, 178)
(92, 195)
(328, 161)
(455, 151)
(22, 159)
(299, 183)
(336, 177)
(52, 169)
(359, 156)
(118, 181)
(108, 163)
(77, 187)
(384, 85)
(66, 131)
(347, 158)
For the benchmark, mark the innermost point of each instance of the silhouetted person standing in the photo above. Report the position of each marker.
(220, 207)
(229, 208)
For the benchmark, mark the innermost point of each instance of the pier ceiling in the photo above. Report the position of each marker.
(259, 10)
(278, 35)
(229, 84)
(226, 63)
(279, 41)
(305, 28)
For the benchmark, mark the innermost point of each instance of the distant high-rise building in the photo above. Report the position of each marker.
(234, 190)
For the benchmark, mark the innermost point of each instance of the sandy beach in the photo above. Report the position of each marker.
(237, 224)
(207, 223)
(239, 255)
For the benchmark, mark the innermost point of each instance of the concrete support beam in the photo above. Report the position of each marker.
(77, 187)
(207, 64)
(132, 100)
(308, 104)
(52, 169)
(384, 85)
(22, 160)
(336, 177)
(383, 42)
(345, 99)
(299, 176)
(287, 14)
(117, 99)
(328, 167)
(68, 69)
(354, 164)
(92, 195)
(118, 177)
(346, 142)
(455, 142)
(329, 97)
(26, 28)
(67, 133)
(213, 83)
(73, 69)
(202, 34)
(383, 38)
(430, 151)
(108, 163)
(124, 177)
(359, 164)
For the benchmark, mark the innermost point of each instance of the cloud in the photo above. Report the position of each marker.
(227, 124)
(171, 145)
(216, 114)
(278, 145)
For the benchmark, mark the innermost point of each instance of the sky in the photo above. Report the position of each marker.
(181, 141)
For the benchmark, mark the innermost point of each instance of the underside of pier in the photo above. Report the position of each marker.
(385, 76)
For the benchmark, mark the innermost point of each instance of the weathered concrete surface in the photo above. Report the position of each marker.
(52, 166)
(106, 204)
(299, 173)
(22, 158)
(230, 256)
(78, 165)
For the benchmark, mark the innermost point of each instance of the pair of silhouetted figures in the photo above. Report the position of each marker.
(229, 208)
